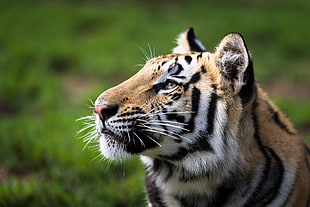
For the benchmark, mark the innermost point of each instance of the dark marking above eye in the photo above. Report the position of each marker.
(178, 76)
(175, 69)
(188, 59)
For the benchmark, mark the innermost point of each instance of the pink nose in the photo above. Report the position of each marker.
(106, 111)
(99, 109)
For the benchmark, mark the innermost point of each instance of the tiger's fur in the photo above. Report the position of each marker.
(206, 132)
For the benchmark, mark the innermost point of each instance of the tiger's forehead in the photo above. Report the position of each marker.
(188, 57)
(178, 67)
(185, 61)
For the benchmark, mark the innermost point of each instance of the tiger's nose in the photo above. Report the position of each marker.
(106, 111)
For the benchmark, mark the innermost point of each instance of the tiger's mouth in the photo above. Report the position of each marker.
(133, 141)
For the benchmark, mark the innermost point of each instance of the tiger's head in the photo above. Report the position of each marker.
(177, 103)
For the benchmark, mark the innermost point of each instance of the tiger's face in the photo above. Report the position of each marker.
(171, 105)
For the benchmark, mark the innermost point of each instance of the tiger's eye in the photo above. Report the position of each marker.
(170, 85)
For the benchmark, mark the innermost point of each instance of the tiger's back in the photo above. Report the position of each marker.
(206, 132)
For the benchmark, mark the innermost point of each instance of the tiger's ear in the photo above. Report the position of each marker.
(187, 43)
(234, 59)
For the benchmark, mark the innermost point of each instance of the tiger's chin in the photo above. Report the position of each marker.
(112, 149)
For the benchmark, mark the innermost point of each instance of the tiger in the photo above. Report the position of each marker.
(206, 132)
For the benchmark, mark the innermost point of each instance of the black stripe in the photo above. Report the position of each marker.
(281, 124)
(201, 143)
(222, 195)
(186, 202)
(154, 193)
(185, 87)
(175, 116)
(272, 174)
(251, 201)
(277, 120)
(157, 165)
(211, 111)
(194, 79)
(275, 178)
(160, 166)
(180, 154)
(195, 106)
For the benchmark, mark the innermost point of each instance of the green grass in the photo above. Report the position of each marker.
(56, 55)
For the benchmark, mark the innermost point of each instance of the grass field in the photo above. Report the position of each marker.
(56, 55)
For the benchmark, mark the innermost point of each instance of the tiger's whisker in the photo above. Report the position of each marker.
(153, 140)
(170, 134)
(139, 139)
(162, 121)
(169, 125)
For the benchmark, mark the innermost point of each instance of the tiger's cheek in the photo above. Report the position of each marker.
(187, 104)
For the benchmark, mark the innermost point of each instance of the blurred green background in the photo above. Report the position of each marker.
(56, 55)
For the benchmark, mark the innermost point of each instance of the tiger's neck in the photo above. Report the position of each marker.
(207, 174)
(220, 174)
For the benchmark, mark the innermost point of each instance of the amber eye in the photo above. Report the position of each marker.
(170, 85)
(166, 86)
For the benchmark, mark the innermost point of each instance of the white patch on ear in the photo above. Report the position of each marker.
(233, 57)
(187, 42)
(230, 59)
